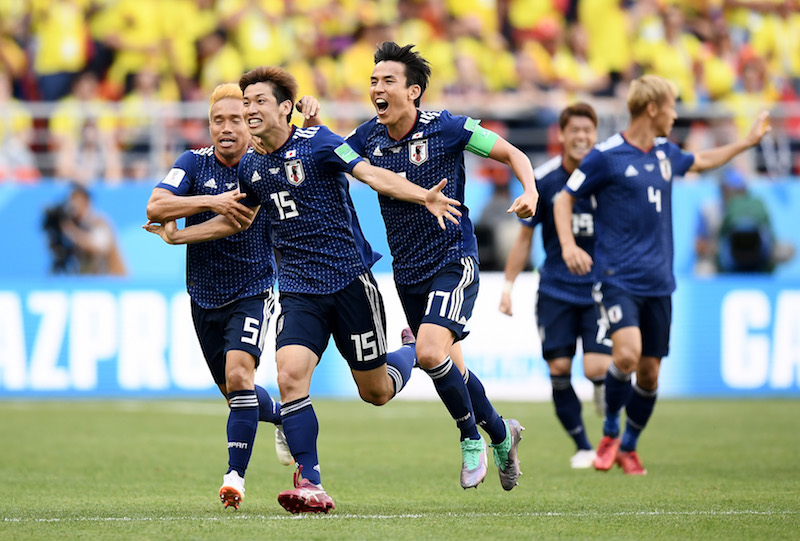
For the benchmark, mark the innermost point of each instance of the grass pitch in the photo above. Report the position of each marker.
(151, 470)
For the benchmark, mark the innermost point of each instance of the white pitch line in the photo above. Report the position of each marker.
(408, 516)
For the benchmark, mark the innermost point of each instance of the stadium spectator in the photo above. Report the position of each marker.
(734, 232)
(17, 162)
(633, 254)
(437, 275)
(565, 311)
(59, 35)
(230, 313)
(84, 135)
(220, 61)
(81, 240)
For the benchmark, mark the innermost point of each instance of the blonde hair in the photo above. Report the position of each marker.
(225, 90)
(649, 88)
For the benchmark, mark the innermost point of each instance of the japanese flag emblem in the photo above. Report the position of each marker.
(294, 172)
(664, 165)
(418, 151)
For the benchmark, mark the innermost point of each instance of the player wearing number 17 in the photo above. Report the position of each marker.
(631, 177)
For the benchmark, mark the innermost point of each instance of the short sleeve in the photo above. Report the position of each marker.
(332, 152)
(589, 177)
(179, 179)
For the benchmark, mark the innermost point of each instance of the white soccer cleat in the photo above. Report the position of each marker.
(231, 493)
(583, 459)
(282, 450)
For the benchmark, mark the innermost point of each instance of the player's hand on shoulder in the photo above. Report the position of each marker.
(228, 204)
(442, 206)
(309, 106)
(578, 261)
(257, 145)
(166, 230)
(524, 206)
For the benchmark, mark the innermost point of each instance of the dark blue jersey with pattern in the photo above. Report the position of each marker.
(221, 271)
(303, 189)
(633, 188)
(431, 151)
(555, 279)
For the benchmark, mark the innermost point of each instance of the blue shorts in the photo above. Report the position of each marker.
(354, 316)
(240, 325)
(445, 299)
(561, 323)
(652, 315)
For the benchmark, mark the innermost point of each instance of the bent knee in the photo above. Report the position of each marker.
(375, 397)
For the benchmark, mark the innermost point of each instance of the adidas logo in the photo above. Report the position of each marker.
(377, 152)
(631, 171)
(211, 183)
(256, 177)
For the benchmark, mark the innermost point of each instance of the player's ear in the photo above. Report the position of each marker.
(414, 92)
(652, 108)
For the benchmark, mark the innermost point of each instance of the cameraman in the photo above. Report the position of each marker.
(81, 240)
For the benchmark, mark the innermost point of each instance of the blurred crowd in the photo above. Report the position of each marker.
(100, 73)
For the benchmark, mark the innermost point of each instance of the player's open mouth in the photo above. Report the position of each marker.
(253, 122)
(227, 141)
(381, 105)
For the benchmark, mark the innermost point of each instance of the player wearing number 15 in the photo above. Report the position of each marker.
(631, 177)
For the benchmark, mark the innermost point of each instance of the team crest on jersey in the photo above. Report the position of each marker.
(664, 165)
(294, 172)
(418, 151)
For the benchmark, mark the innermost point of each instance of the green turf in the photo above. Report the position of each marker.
(151, 470)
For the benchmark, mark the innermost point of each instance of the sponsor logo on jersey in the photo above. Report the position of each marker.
(395, 150)
(274, 170)
(229, 185)
(664, 165)
(255, 178)
(631, 171)
(418, 151)
(649, 167)
(294, 172)
(211, 183)
(174, 177)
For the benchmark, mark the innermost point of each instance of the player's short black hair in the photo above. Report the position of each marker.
(283, 83)
(417, 69)
(577, 109)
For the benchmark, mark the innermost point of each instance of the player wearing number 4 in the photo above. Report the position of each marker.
(326, 286)
(564, 307)
(437, 274)
(631, 177)
(230, 280)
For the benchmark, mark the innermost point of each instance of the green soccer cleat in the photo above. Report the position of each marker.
(505, 454)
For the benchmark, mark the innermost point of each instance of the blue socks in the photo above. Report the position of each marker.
(453, 391)
(269, 411)
(485, 414)
(301, 429)
(618, 392)
(639, 409)
(242, 425)
(568, 410)
(399, 364)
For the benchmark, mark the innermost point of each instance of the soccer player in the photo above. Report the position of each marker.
(631, 175)
(326, 286)
(229, 280)
(437, 274)
(565, 310)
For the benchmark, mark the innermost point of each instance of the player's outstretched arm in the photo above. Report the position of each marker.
(164, 206)
(577, 260)
(502, 151)
(514, 265)
(393, 185)
(216, 228)
(714, 157)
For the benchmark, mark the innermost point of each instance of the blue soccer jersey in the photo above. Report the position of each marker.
(555, 279)
(220, 271)
(431, 151)
(303, 189)
(633, 189)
